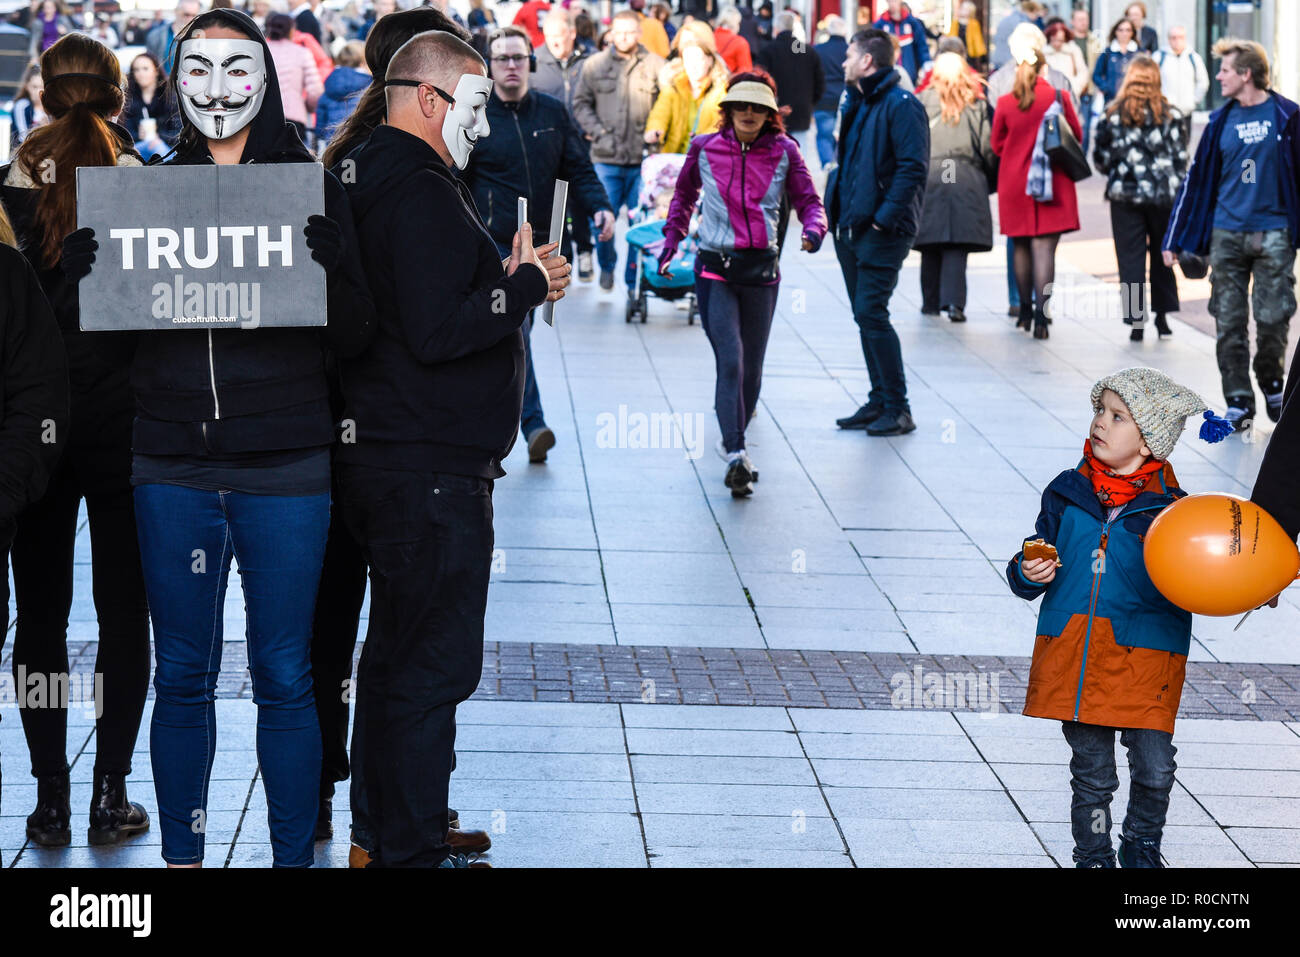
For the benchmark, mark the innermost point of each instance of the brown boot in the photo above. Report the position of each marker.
(468, 842)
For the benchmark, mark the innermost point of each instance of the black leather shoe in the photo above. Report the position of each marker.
(112, 817)
(861, 418)
(1162, 325)
(892, 423)
(1026, 319)
(956, 314)
(49, 825)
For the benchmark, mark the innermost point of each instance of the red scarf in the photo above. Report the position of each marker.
(1112, 488)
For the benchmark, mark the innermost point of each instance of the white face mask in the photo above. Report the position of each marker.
(222, 83)
(466, 120)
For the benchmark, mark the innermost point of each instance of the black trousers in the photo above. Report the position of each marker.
(427, 538)
(333, 641)
(943, 278)
(43, 571)
(6, 540)
(1138, 232)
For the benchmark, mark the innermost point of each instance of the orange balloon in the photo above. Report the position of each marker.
(1218, 554)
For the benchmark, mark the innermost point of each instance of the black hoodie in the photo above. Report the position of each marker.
(227, 392)
(97, 362)
(442, 387)
(33, 389)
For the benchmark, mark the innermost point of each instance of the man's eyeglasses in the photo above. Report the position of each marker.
(451, 100)
(514, 60)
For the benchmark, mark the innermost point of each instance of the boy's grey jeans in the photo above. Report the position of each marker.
(1093, 781)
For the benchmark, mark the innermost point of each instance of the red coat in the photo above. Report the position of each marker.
(1014, 133)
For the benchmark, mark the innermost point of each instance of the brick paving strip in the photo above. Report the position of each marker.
(653, 674)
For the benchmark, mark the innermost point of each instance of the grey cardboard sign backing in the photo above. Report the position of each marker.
(201, 247)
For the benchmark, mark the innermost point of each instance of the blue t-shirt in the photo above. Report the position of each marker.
(1249, 197)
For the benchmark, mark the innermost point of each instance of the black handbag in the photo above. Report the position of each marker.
(1062, 148)
(744, 266)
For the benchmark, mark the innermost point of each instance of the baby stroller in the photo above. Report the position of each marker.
(646, 239)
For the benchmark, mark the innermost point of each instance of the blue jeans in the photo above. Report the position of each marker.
(1093, 781)
(870, 263)
(532, 417)
(622, 186)
(825, 121)
(187, 539)
(1085, 120)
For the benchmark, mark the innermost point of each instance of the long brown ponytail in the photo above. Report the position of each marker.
(1027, 74)
(83, 89)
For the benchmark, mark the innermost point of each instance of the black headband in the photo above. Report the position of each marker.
(88, 76)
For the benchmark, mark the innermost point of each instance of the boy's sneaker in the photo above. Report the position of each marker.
(1139, 853)
(584, 267)
(1241, 412)
(740, 475)
(606, 280)
(1273, 399)
(1093, 862)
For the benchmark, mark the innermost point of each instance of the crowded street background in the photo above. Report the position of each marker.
(1030, 168)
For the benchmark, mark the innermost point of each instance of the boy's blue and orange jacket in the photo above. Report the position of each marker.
(1111, 650)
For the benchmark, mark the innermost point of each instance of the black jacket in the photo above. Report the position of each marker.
(442, 387)
(1277, 487)
(800, 79)
(97, 363)
(230, 391)
(33, 387)
(164, 109)
(832, 51)
(882, 159)
(532, 144)
(308, 23)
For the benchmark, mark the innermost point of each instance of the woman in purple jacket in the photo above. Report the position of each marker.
(743, 171)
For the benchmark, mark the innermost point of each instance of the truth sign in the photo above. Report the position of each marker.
(201, 247)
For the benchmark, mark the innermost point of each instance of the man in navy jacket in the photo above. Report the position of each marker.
(873, 204)
(1240, 205)
(534, 143)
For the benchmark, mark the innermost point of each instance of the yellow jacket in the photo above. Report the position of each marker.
(679, 116)
(653, 36)
(975, 47)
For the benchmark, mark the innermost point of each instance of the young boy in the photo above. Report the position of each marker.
(1111, 650)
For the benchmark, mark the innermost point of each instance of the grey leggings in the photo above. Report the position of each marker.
(737, 320)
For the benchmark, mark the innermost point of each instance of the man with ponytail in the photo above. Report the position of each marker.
(83, 89)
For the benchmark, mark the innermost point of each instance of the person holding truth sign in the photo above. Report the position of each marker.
(232, 458)
(435, 403)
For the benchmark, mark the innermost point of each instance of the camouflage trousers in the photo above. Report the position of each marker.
(1236, 258)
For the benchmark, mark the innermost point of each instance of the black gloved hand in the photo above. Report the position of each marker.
(78, 253)
(325, 240)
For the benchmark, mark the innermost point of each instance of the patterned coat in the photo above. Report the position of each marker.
(1144, 165)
